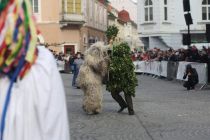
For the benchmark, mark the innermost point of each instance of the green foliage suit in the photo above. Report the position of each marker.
(122, 77)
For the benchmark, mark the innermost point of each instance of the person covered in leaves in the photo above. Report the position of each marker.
(122, 77)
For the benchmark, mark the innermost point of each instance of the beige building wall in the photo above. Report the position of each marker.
(127, 32)
(95, 22)
(54, 34)
(50, 10)
(48, 22)
(128, 5)
(121, 34)
(50, 16)
(90, 33)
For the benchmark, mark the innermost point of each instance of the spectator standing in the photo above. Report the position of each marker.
(203, 57)
(71, 63)
(77, 63)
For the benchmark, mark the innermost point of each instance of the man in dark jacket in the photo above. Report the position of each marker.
(192, 75)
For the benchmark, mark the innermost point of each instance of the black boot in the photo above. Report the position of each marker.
(129, 101)
(131, 112)
(121, 109)
(118, 98)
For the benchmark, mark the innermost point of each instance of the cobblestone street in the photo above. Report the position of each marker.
(164, 111)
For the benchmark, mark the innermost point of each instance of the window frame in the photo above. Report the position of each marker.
(34, 7)
(165, 10)
(148, 11)
(74, 6)
(207, 10)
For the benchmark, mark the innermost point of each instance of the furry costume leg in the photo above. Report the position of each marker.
(92, 102)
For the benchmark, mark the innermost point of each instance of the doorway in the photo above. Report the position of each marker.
(69, 49)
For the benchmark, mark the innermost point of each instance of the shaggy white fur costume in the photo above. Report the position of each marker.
(91, 75)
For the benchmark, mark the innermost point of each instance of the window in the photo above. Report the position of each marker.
(96, 13)
(165, 10)
(90, 9)
(63, 6)
(148, 10)
(78, 6)
(74, 6)
(96, 39)
(70, 6)
(100, 15)
(35, 6)
(105, 17)
(206, 10)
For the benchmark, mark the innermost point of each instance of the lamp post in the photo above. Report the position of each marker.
(188, 20)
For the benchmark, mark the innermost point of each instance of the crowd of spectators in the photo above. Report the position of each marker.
(66, 60)
(192, 54)
(60, 56)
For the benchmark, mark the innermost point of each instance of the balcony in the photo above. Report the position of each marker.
(72, 13)
(68, 18)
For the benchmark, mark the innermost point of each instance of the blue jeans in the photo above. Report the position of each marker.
(72, 68)
(75, 74)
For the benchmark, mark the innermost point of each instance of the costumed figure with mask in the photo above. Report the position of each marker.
(32, 97)
(91, 75)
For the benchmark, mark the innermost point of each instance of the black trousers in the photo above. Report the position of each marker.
(123, 103)
(190, 84)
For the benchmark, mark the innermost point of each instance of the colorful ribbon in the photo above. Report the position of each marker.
(18, 40)
(17, 32)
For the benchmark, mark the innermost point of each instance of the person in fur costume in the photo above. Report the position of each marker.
(91, 74)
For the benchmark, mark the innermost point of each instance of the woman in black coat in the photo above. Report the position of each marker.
(192, 75)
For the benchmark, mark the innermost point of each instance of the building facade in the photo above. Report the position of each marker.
(128, 5)
(73, 24)
(127, 28)
(162, 24)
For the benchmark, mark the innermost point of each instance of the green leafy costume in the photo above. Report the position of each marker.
(121, 69)
(122, 77)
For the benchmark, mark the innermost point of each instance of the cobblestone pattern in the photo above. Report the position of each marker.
(164, 111)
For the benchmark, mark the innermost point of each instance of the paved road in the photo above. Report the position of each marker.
(164, 111)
